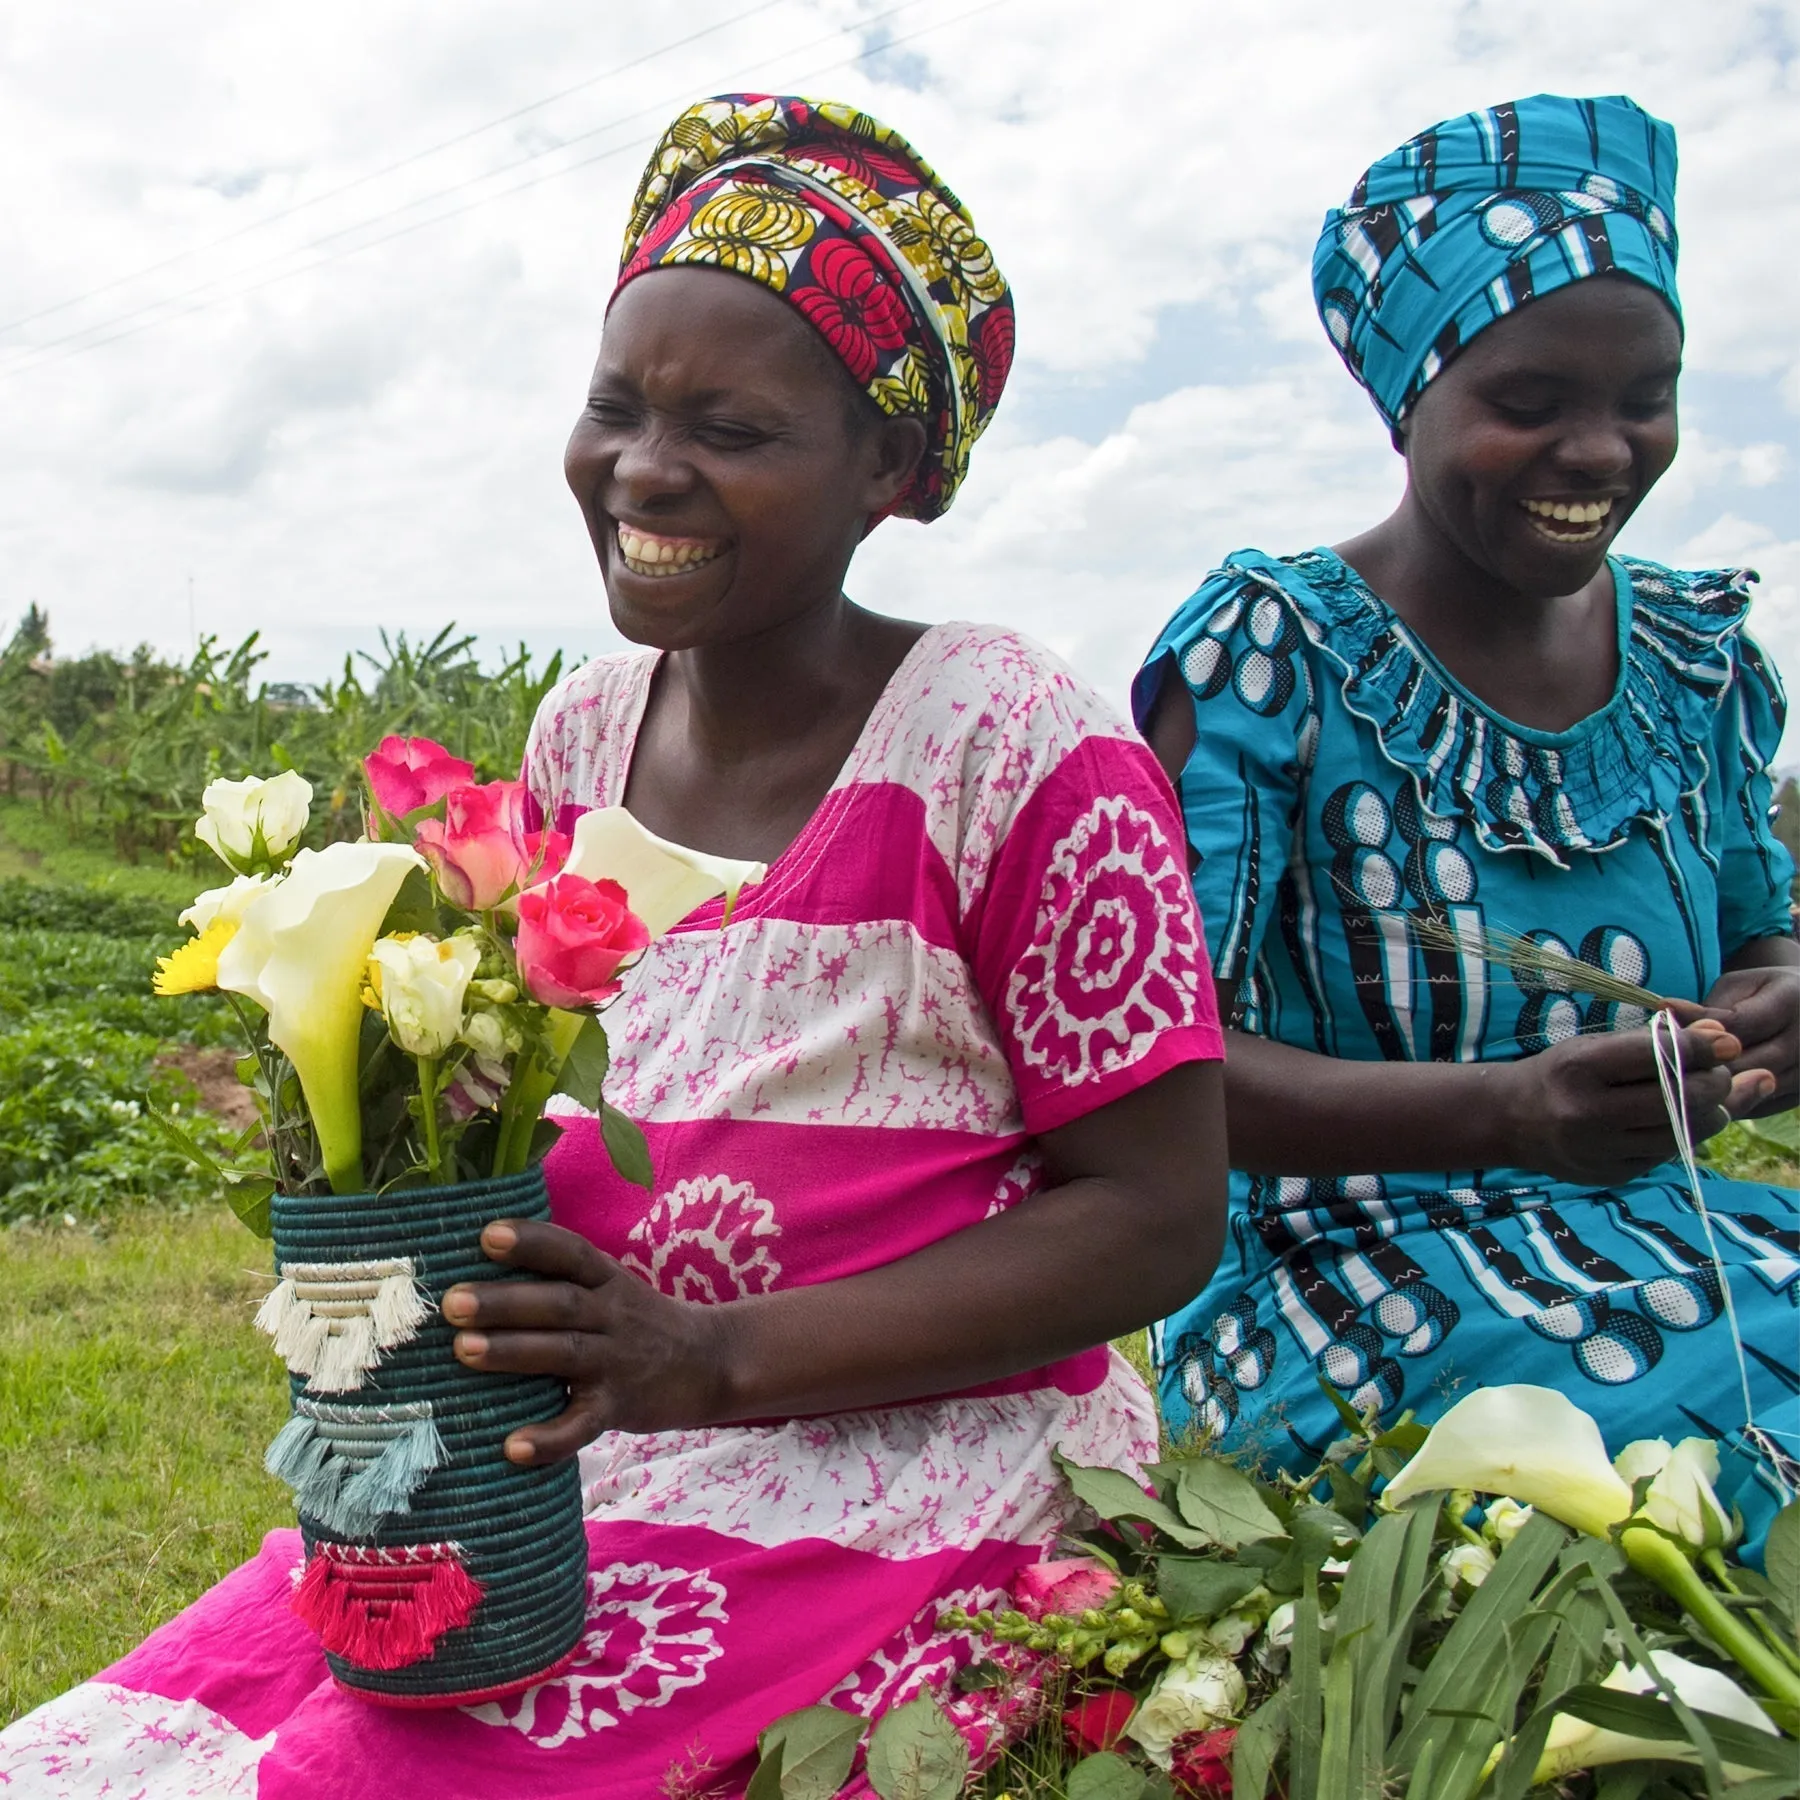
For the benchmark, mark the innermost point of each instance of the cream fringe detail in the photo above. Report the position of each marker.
(331, 1321)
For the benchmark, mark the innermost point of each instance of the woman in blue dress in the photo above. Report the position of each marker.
(1470, 725)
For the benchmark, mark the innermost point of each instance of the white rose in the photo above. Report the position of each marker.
(1469, 1564)
(1506, 1518)
(421, 988)
(1204, 1691)
(248, 820)
(1680, 1498)
(226, 903)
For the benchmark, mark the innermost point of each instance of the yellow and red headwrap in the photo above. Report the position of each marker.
(844, 220)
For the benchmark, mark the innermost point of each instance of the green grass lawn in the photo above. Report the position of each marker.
(135, 1404)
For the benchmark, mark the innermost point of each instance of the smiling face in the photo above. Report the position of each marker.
(722, 464)
(1538, 442)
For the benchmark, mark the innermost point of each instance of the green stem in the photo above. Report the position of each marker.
(1651, 1554)
(532, 1085)
(428, 1098)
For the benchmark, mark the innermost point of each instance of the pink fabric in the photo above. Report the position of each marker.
(985, 932)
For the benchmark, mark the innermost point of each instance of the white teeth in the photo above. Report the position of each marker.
(1570, 512)
(647, 555)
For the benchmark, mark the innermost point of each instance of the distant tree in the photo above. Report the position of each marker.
(1787, 823)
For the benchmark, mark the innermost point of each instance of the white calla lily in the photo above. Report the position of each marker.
(1574, 1744)
(1680, 1498)
(421, 988)
(663, 882)
(227, 903)
(1532, 1444)
(301, 953)
(253, 819)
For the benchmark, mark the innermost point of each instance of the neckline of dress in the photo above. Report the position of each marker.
(782, 869)
(1530, 734)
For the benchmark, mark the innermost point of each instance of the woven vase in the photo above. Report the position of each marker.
(437, 1572)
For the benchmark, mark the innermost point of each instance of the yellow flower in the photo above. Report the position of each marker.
(194, 968)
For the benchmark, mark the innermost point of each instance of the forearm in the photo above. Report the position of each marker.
(1067, 1269)
(1294, 1112)
(1764, 953)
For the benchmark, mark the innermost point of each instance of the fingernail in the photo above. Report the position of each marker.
(499, 1237)
(518, 1450)
(459, 1305)
(471, 1346)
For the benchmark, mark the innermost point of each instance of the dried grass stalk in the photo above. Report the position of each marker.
(1525, 956)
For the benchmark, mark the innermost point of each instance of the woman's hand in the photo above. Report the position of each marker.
(1590, 1109)
(634, 1359)
(1761, 1009)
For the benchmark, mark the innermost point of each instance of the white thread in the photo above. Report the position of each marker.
(331, 1321)
(1665, 1047)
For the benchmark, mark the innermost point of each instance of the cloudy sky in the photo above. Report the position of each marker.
(297, 303)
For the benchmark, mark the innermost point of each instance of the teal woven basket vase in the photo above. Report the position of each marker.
(437, 1572)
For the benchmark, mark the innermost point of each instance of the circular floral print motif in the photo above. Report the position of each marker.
(649, 1635)
(745, 230)
(1111, 965)
(707, 1239)
(853, 307)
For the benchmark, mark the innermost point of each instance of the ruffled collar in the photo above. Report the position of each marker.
(1636, 759)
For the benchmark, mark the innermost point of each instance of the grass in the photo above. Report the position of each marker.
(35, 844)
(135, 1404)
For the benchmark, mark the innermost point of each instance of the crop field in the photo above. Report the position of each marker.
(135, 1398)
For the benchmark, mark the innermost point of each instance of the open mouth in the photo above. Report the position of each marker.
(647, 553)
(1569, 521)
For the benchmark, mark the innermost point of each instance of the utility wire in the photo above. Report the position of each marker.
(405, 162)
(32, 356)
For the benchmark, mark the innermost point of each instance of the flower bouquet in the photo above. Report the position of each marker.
(410, 1002)
(1373, 1629)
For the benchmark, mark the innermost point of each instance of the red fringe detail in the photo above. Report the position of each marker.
(385, 1614)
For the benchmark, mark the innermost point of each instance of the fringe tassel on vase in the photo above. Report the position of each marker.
(352, 1467)
(331, 1321)
(385, 1609)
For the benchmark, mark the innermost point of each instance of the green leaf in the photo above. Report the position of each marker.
(1106, 1776)
(1259, 1741)
(1782, 1130)
(1352, 1418)
(1305, 1694)
(1623, 1781)
(249, 1197)
(1781, 1561)
(1221, 1502)
(1116, 1496)
(584, 1068)
(1195, 1588)
(915, 1753)
(1460, 1670)
(1639, 1715)
(627, 1147)
(809, 1753)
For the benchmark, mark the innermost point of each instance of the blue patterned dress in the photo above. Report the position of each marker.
(1343, 785)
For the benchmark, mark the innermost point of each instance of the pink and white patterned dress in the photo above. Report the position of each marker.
(984, 932)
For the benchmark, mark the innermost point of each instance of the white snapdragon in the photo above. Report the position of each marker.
(421, 988)
(1469, 1565)
(1505, 1519)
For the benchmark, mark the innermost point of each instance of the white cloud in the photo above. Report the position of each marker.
(378, 441)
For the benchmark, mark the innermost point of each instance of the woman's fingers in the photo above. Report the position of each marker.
(572, 1355)
(523, 1306)
(1748, 1091)
(547, 1250)
(569, 1432)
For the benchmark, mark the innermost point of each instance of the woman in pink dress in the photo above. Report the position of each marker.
(924, 1111)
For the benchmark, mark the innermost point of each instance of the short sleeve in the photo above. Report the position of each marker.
(1238, 648)
(1755, 869)
(1084, 939)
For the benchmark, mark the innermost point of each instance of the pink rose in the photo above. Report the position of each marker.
(1068, 1587)
(481, 849)
(573, 935)
(408, 773)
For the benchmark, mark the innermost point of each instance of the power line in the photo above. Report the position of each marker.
(32, 356)
(449, 143)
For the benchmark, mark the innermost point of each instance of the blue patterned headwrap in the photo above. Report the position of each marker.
(1473, 218)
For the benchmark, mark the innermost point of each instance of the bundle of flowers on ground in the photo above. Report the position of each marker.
(1486, 1608)
(412, 1000)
